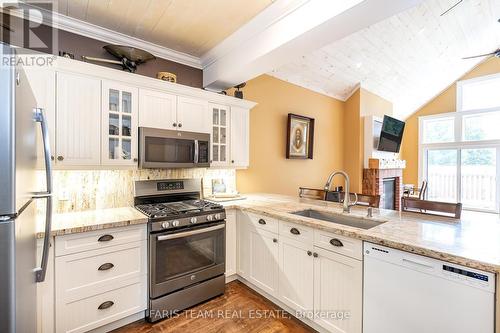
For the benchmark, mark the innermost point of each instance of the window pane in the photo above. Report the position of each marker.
(442, 175)
(439, 130)
(479, 178)
(481, 95)
(482, 126)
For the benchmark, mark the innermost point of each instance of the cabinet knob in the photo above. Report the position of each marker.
(275, 240)
(52, 158)
(309, 253)
(60, 158)
(174, 124)
(315, 255)
(135, 159)
(106, 305)
(180, 125)
(232, 161)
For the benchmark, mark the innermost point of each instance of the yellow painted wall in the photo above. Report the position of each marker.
(269, 170)
(353, 141)
(444, 102)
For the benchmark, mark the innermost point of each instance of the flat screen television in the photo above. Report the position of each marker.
(391, 135)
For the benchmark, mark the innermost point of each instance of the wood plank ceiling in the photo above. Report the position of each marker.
(189, 26)
(407, 59)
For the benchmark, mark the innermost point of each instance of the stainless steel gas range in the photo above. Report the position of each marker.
(186, 245)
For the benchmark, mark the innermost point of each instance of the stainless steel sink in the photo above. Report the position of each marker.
(350, 221)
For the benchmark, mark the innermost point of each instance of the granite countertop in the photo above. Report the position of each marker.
(472, 241)
(70, 223)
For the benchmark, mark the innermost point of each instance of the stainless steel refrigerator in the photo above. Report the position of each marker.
(20, 120)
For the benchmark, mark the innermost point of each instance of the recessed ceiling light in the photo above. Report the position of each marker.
(359, 64)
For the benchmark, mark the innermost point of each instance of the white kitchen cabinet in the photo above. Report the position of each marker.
(243, 245)
(193, 115)
(78, 132)
(220, 135)
(157, 109)
(296, 267)
(119, 124)
(240, 137)
(231, 235)
(338, 287)
(264, 256)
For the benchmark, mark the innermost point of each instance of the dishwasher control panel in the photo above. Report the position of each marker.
(466, 273)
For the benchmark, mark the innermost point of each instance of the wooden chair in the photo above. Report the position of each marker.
(312, 193)
(421, 192)
(363, 199)
(436, 208)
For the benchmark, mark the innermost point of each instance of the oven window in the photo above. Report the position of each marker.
(168, 150)
(179, 256)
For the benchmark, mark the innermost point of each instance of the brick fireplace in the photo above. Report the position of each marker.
(380, 181)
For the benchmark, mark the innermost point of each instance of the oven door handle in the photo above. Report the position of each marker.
(196, 152)
(190, 233)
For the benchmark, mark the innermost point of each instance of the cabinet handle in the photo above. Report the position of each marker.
(174, 124)
(60, 158)
(52, 158)
(309, 253)
(135, 159)
(315, 255)
(105, 238)
(275, 240)
(262, 221)
(295, 231)
(180, 125)
(106, 266)
(336, 242)
(106, 305)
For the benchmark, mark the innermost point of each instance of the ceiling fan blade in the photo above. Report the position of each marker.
(480, 55)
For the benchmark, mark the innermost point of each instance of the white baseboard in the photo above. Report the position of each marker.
(231, 278)
(119, 323)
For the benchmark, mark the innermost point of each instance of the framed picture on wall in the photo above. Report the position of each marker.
(300, 137)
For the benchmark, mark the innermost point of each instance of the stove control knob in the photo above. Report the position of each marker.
(193, 220)
(175, 223)
(165, 225)
(217, 216)
(210, 217)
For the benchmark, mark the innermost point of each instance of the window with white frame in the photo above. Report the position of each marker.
(460, 151)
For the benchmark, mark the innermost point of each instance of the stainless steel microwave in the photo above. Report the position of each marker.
(162, 149)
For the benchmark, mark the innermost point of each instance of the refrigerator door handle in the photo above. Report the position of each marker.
(196, 151)
(39, 116)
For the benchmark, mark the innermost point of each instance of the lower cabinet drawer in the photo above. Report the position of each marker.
(88, 273)
(92, 312)
(343, 245)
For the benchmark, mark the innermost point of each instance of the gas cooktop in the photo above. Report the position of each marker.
(178, 208)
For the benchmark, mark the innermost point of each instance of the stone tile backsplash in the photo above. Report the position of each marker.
(98, 189)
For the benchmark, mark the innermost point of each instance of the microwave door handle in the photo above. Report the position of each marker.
(190, 233)
(39, 117)
(196, 151)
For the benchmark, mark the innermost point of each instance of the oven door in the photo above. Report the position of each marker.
(173, 149)
(182, 258)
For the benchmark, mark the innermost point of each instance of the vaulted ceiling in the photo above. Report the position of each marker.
(189, 26)
(407, 59)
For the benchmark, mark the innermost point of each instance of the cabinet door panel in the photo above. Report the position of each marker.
(157, 109)
(338, 287)
(220, 135)
(193, 115)
(119, 124)
(78, 120)
(230, 242)
(243, 245)
(240, 137)
(264, 266)
(296, 274)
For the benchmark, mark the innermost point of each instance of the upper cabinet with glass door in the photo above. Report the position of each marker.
(220, 135)
(119, 123)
